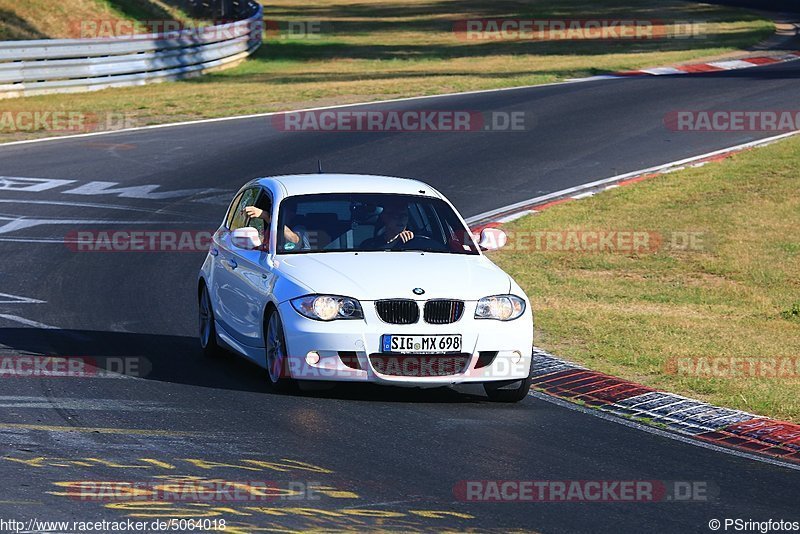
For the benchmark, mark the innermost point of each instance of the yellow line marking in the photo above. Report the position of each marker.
(98, 430)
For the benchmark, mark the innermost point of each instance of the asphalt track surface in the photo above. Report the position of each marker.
(394, 456)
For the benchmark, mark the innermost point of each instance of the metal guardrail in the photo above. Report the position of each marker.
(45, 66)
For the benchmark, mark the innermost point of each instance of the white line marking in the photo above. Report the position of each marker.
(48, 240)
(145, 192)
(100, 374)
(660, 71)
(68, 403)
(7, 298)
(732, 65)
(598, 77)
(662, 433)
(20, 223)
(93, 205)
(514, 216)
(610, 182)
(95, 188)
(31, 185)
(27, 322)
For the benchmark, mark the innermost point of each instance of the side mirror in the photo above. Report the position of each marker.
(492, 239)
(246, 238)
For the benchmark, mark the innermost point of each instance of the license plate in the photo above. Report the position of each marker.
(421, 344)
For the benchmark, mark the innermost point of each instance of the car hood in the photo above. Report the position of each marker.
(380, 275)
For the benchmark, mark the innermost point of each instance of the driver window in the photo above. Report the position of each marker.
(239, 218)
(265, 204)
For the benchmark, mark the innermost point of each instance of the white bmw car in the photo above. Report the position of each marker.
(363, 279)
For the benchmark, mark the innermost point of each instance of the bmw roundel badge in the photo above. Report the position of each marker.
(418, 291)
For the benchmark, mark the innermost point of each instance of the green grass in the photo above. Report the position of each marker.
(385, 49)
(735, 295)
(49, 19)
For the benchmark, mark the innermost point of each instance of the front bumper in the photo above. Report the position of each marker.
(356, 340)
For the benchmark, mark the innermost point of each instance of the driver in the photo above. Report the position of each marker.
(395, 219)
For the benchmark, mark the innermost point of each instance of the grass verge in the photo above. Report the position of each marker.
(344, 51)
(64, 19)
(717, 320)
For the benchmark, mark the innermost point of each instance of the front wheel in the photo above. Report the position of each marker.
(277, 359)
(208, 330)
(509, 390)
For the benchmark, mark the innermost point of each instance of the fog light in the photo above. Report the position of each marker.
(516, 356)
(312, 358)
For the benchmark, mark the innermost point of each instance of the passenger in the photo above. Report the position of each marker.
(293, 238)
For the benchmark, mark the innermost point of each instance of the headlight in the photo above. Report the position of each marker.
(328, 307)
(500, 307)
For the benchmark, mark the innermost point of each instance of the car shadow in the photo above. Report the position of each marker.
(178, 359)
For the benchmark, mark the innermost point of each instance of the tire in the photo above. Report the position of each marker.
(496, 394)
(277, 361)
(208, 328)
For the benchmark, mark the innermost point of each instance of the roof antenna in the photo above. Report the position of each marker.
(319, 166)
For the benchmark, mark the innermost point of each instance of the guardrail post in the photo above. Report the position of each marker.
(227, 10)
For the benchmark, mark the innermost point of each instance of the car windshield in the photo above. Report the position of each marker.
(367, 222)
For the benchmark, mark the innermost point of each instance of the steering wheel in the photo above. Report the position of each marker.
(420, 242)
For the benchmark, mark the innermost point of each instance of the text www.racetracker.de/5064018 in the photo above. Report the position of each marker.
(125, 525)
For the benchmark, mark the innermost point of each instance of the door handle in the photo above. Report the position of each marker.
(214, 252)
(233, 264)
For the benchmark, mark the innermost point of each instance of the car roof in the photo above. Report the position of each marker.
(307, 184)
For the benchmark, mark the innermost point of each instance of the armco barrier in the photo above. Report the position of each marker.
(72, 65)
